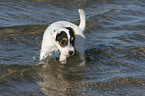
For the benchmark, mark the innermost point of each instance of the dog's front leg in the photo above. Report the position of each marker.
(62, 59)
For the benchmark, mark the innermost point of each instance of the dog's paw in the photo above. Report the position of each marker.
(63, 62)
(62, 59)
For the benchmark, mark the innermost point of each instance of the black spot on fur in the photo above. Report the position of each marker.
(60, 38)
(72, 35)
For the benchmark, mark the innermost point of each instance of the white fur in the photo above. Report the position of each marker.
(49, 44)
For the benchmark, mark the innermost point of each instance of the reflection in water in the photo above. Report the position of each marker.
(18, 80)
(59, 80)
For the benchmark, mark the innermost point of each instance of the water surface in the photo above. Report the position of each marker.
(115, 51)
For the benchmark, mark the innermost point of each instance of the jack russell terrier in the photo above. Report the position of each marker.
(65, 37)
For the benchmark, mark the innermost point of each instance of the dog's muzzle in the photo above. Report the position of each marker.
(71, 52)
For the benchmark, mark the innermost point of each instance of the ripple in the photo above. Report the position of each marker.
(114, 52)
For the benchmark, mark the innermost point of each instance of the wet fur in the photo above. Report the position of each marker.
(65, 37)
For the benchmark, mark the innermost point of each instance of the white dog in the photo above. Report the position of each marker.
(65, 37)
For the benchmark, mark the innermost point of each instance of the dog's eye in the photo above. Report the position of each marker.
(63, 42)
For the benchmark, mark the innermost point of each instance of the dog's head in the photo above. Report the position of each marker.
(64, 38)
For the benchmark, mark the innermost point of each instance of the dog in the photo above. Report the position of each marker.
(65, 37)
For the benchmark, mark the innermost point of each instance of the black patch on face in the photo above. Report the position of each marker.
(62, 39)
(72, 35)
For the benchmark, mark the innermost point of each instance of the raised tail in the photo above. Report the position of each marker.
(82, 19)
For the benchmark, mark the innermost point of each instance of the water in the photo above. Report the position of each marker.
(115, 51)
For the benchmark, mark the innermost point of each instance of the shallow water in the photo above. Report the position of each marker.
(115, 51)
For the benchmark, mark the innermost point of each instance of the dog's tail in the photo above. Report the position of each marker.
(82, 19)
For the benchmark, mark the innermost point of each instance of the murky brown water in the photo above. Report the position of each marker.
(115, 51)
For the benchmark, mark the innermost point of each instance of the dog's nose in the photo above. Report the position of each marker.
(70, 52)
